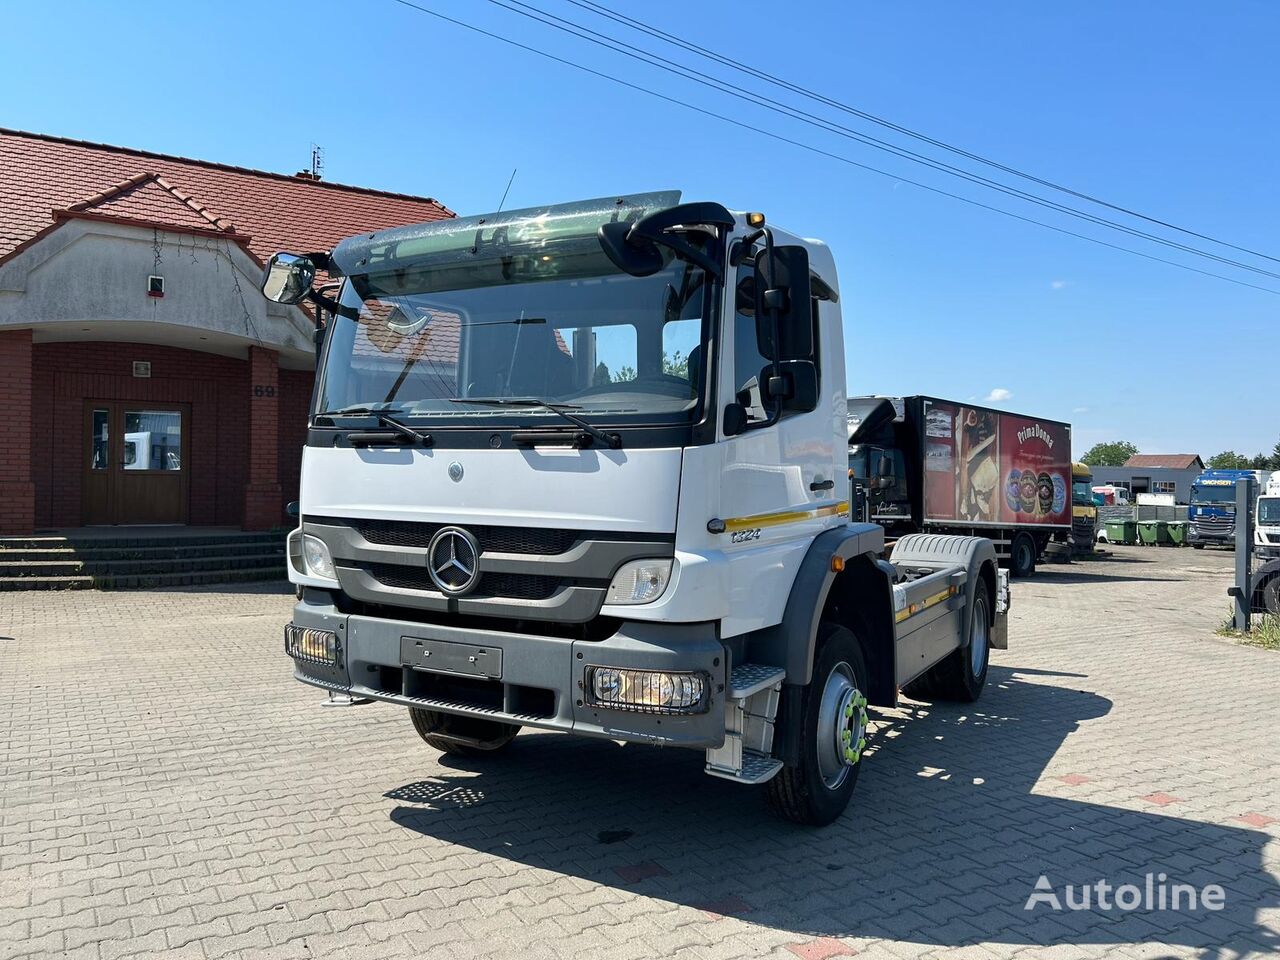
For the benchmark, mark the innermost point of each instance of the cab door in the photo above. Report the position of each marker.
(780, 482)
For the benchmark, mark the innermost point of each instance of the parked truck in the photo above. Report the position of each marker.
(1266, 520)
(581, 468)
(1084, 511)
(1211, 513)
(931, 465)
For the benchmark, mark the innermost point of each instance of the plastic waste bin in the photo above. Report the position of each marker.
(1122, 531)
(1151, 532)
(1177, 532)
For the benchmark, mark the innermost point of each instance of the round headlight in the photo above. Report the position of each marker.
(315, 554)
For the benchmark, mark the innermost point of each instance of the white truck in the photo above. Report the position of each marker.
(1266, 517)
(583, 468)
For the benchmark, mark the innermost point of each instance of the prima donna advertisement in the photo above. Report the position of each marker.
(982, 466)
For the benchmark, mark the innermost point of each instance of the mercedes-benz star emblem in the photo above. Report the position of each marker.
(453, 560)
(455, 471)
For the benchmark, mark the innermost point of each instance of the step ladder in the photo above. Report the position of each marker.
(750, 710)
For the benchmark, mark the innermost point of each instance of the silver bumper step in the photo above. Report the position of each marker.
(749, 715)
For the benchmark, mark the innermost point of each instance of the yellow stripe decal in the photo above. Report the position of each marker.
(924, 604)
(788, 516)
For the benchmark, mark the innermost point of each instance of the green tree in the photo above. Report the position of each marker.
(675, 365)
(1228, 460)
(625, 373)
(1112, 454)
(1260, 462)
(1275, 457)
(601, 375)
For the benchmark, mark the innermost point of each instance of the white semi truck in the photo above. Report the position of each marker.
(583, 468)
(1266, 519)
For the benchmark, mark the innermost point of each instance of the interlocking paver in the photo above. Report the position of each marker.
(168, 789)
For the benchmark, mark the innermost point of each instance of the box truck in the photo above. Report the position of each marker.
(582, 468)
(943, 466)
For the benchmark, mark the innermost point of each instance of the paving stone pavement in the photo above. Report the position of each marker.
(168, 789)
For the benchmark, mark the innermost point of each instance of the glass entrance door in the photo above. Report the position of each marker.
(136, 463)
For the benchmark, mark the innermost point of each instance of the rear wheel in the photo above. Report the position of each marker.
(1022, 555)
(962, 674)
(461, 736)
(833, 735)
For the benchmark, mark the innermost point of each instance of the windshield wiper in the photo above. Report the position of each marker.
(384, 417)
(611, 440)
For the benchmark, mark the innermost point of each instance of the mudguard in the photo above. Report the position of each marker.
(976, 555)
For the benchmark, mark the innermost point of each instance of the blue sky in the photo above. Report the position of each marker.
(1168, 108)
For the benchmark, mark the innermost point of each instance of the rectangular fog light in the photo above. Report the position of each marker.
(311, 645)
(647, 691)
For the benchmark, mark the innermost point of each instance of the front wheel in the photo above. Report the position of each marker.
(833, 735)
(461, 736)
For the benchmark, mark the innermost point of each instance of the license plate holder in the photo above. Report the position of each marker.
(445, 656)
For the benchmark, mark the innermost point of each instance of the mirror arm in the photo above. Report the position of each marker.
(324, 303)
(777, 325)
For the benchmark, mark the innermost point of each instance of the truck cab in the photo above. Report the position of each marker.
(582, 468)
(1084, 512)
(1266, 521)
(1212, 510)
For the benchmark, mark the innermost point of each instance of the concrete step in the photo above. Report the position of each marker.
(152, 581)
(46, 583)
(134, 540)
(107, 554)
(265, 560)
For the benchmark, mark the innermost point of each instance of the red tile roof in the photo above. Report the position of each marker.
(43, 177)
(1173, 461)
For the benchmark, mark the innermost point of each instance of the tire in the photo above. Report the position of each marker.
(816, 790)
(483, 737)
(1271, 596)
(1198, 546)
(962, 674)
(1022, 556)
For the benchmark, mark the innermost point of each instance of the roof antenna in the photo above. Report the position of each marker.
(503, 201)
(317, 161)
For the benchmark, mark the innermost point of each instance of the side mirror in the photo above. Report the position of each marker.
(884, 473)
(287, 278)
(795, 385)
(782, 288)
(735, 419)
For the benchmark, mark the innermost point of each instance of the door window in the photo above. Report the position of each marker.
(152, 440)
(100, 458)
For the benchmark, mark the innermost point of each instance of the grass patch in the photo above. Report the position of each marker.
(1264, 631)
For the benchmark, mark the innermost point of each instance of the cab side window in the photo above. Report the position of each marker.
(750, 354)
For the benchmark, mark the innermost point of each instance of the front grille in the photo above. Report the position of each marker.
(401, 533)
(511, 585)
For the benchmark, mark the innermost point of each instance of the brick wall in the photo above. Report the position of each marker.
(68, 375)
(17, 491)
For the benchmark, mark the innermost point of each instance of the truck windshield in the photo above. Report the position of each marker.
(1269, 511)
(562, 327)
(1224, 493)
(1082, 493)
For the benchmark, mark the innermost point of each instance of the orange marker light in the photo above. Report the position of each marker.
(837, 564)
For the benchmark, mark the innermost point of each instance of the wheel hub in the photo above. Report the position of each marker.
(842, 726)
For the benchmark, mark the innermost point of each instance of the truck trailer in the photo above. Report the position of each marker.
(582, 468)
(932, 465)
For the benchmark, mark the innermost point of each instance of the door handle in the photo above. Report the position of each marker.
(822, 485)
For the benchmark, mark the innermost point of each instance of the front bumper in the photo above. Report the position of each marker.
(535, 681)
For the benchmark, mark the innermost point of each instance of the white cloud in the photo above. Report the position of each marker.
(998, 395)
(1057, 284)
(1079, 409)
